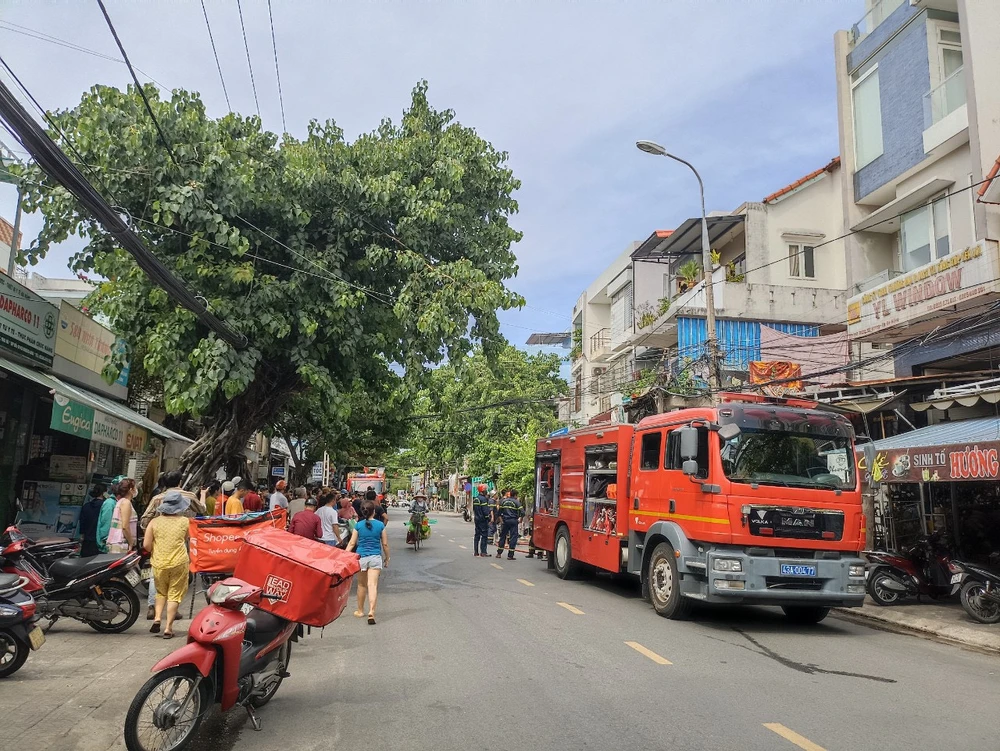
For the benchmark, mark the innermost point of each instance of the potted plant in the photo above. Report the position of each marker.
(688, 275)
(716, 257)
(645, 315)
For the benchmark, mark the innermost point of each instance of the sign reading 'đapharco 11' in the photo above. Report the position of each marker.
(953, 281)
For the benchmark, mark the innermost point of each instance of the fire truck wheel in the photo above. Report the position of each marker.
(664, 584)
(805, 614)
(563, 555)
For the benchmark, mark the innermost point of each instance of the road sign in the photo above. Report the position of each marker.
(277, 471)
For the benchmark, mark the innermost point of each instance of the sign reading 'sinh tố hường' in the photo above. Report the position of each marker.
(946, 282)
(952, 463)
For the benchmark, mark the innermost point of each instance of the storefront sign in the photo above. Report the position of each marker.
(27, 322)
(954, 279)
(71, 417)
(68, 468)
(958, 463)
(85, 342)
(84, 422)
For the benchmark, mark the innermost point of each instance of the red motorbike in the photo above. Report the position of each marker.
(236, 654)
(925, 568)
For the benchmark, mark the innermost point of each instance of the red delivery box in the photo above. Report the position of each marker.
(310, 580)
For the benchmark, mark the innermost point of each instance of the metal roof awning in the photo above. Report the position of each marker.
(886, 218)
(92, 400)
(686, 239)
(966, 395)
(864, 405)
(979, 430)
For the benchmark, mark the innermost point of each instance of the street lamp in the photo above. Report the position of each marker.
(655, 149)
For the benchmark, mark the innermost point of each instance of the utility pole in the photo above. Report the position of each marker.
(711, 343)
(6, 158)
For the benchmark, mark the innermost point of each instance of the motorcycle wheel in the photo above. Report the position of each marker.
(977, 605)
(286, 655)
(127, 601)
(149, 714)
(13, 653)
(880, 594)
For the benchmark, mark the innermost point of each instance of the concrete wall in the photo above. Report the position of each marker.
(647, 285)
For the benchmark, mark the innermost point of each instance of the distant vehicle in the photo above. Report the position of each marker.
(369, 478)
(752, 501)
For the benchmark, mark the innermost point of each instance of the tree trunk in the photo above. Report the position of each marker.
(228, 431)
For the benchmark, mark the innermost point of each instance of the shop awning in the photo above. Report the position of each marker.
(92, 400)
(979, 430)
(865, 405)
(991, 396)
(686, 239)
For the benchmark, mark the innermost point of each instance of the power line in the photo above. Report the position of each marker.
(277, 73)
(138, 85)
(246, 44)
(215, 52)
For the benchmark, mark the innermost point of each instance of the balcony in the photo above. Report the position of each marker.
(600, 345)
(878, 279)
(946, 118)
(880, 11)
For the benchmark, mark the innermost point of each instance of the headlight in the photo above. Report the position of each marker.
(856, 570)
(855, 589)
(728, 564)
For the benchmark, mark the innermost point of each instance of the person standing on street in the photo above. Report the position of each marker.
(307, 523)
(251, 499)
(89, 516)
(511, 512)
(104, 520)
(124, 533)
(278, 499)
(211, 497)
(481, 517)
(166, 539)
(372, 544)
(234, 503)
(329, 518)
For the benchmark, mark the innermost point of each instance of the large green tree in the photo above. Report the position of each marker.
(341, 262)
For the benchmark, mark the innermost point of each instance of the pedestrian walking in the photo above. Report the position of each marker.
(252, 501)
(306, 523)
(166, 540)
(211, 497)
(123, 533)
(90, 514)
(329, 518)
(278, 499)
(481, 517)
(511, 512)
(370, 540)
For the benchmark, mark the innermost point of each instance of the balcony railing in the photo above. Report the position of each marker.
(944, 98)
(880, 11)
(600, 340)
(877, 279)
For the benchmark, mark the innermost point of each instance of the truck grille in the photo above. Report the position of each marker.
(796, 523)
(793, 582)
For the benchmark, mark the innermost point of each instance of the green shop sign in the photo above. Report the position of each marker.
(71, 417)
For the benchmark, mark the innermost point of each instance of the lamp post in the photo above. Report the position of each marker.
(706, 262)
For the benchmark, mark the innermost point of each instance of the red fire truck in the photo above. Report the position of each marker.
(753, 501)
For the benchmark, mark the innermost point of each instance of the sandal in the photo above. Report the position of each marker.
(168, 634)
(371, 619)
(155, 628)
(358, 614)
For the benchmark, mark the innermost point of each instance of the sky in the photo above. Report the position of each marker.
(743, 89)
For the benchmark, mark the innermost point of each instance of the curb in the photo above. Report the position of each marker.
(928, 628)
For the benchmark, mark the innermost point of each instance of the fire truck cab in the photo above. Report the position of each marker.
(752, 501)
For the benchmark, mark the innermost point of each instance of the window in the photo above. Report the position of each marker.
(867, 119)
(547, 488)
(801, 261)
(924, 235)
(621, 313)
(672, 459)
(649, 457)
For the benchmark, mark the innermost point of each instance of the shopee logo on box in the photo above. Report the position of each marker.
(277, 587)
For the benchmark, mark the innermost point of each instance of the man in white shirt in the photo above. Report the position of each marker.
(327, 514)
(278, 499)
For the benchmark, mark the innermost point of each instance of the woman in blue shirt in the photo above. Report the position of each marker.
(372, 544)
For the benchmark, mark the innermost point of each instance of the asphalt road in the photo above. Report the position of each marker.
(467, 655)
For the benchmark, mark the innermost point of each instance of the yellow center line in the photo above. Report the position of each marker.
(463, 547)
(497, 565)
(792, 737)
(570, 608)
(451, 541)
(649, 653)
(526, 583)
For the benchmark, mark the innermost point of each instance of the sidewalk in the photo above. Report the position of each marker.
(944, 621)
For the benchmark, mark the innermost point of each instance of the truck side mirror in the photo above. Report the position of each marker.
(690, 467)
(689, 443)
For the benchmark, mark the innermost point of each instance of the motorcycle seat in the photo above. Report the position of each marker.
(74, 568)
(262, 627)
(9, 580)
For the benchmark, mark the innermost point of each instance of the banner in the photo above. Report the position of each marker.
(216, 541)
(777, 370)
(951, 463)
(83, 341)
(27, 323)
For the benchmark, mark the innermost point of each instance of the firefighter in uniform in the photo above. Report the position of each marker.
(481, 517)
(511, 511)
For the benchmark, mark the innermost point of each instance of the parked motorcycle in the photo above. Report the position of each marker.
(18, 633)
(45, 550)
(980, 593)
(236, 654)
(98, 590)
(466, 516)
(925, 568)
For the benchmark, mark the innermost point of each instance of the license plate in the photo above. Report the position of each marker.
(36, 637)
(795, 569)
(132, 577)
(956, 578)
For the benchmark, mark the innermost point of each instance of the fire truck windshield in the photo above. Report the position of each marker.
(791, 459)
